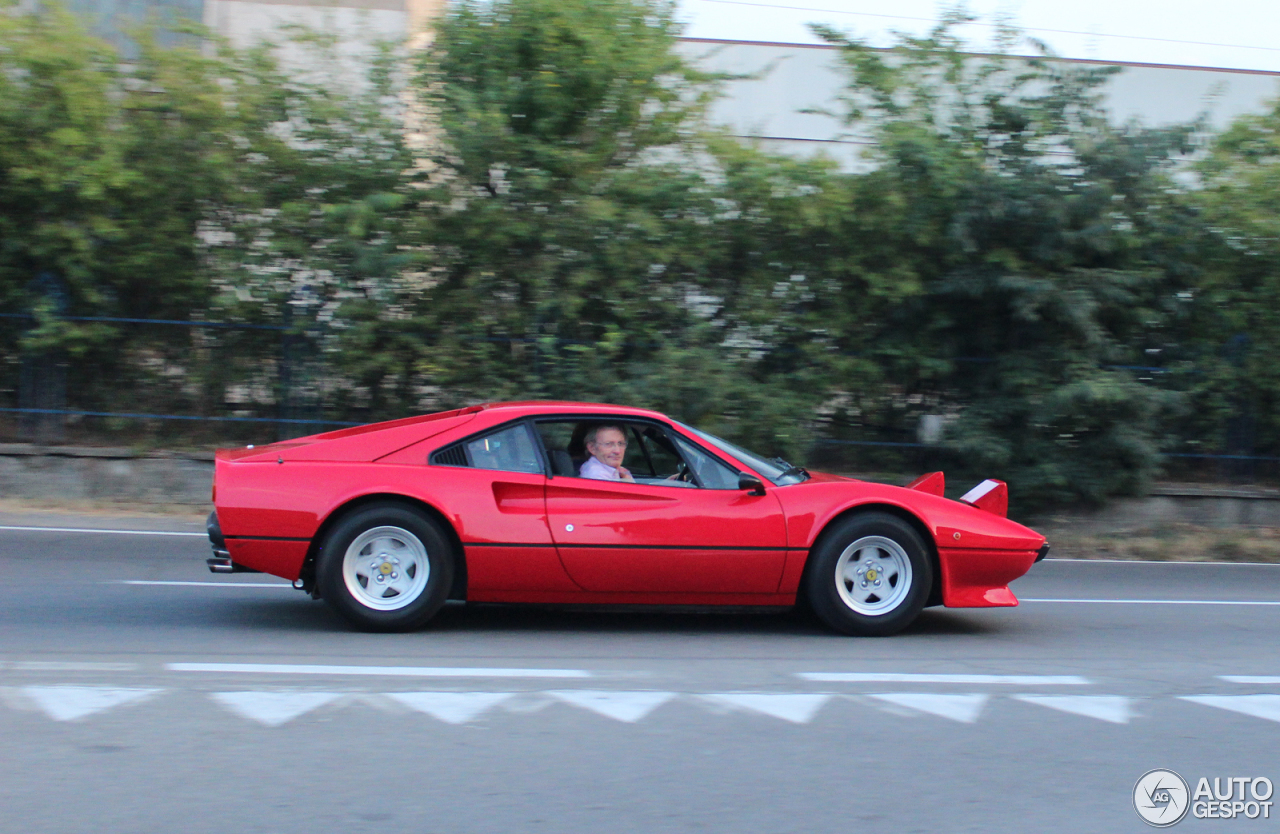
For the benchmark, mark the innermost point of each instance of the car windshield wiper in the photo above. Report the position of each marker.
(795, 470)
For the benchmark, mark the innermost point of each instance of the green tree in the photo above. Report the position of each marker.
(191, 184)
(312, 231)
(98, 202)
(1028, 235)
(1232, 331)
(106, 169)
(587, 234)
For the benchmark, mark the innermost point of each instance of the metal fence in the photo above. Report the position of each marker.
(230, 379)
(202, 383)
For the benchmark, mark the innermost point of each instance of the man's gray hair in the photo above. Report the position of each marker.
(599, 427)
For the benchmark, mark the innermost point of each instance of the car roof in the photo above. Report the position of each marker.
(570, 407)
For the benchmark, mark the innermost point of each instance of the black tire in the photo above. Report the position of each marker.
(882, 584)
(398, 542)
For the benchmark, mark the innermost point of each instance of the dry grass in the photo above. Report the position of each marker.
(1170, 543)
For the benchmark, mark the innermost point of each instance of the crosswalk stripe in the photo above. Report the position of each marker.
(273, 708)
(957, 707)
(65, 702)
(68, 703)
(798, 708)
(1259, 706)
(621, 706)
(450, 707)
(1113, 708)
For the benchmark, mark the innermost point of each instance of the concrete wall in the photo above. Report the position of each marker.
(89, 475)
(1195, 504)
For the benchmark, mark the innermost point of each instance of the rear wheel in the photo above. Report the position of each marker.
(870, 575)
(386, 567)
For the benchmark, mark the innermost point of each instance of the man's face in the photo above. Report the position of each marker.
(609, 447)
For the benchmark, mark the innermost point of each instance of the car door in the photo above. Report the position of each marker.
(498, 487)
(663, 536)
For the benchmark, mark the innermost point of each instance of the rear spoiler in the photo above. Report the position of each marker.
(992, 496)
(934, 483)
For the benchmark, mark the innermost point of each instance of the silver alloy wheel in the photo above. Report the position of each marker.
(386, 568)
(873, 575)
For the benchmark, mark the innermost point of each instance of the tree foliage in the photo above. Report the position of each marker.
(186, 183)
(540, 207)
(102, 178)
(1234, 329)
(588, 237)
(1025, 230)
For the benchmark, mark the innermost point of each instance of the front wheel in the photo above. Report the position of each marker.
(870, 575)
(386, 567)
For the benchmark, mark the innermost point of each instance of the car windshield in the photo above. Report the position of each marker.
(776, 470)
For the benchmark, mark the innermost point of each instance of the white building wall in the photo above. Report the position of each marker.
(790, 79)
(247, 22)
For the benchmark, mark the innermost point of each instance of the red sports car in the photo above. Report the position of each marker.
(560, 502)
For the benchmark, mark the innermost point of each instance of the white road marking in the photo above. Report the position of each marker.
(621, 706)
(377, 671)
(1263, 679)
(895, 677)
(962, 708)
(1113, 708)
(199, 584)
(1164, 562)
(798, 708)
(1259, 706)
(64, 666)
(68, 703)
(1160, 601)
(273, 708)
(450, 707)
(111, 532)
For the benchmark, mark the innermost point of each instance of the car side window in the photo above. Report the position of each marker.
(711, 473)
(508, 450)
(565, 447)
(652, 456)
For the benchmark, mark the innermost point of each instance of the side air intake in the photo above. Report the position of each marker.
(449, 456)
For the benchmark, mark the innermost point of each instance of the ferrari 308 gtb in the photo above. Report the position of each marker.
(578, 503)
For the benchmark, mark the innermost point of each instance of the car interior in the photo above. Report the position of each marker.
(651, 456)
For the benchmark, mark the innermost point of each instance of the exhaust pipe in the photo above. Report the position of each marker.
(220, 561)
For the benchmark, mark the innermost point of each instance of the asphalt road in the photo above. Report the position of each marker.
(139, 693)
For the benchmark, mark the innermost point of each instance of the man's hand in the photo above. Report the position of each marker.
(625, 474)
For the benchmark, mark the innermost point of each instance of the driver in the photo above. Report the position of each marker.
(607, 445)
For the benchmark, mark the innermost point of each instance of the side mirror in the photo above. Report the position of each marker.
(750, 483)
